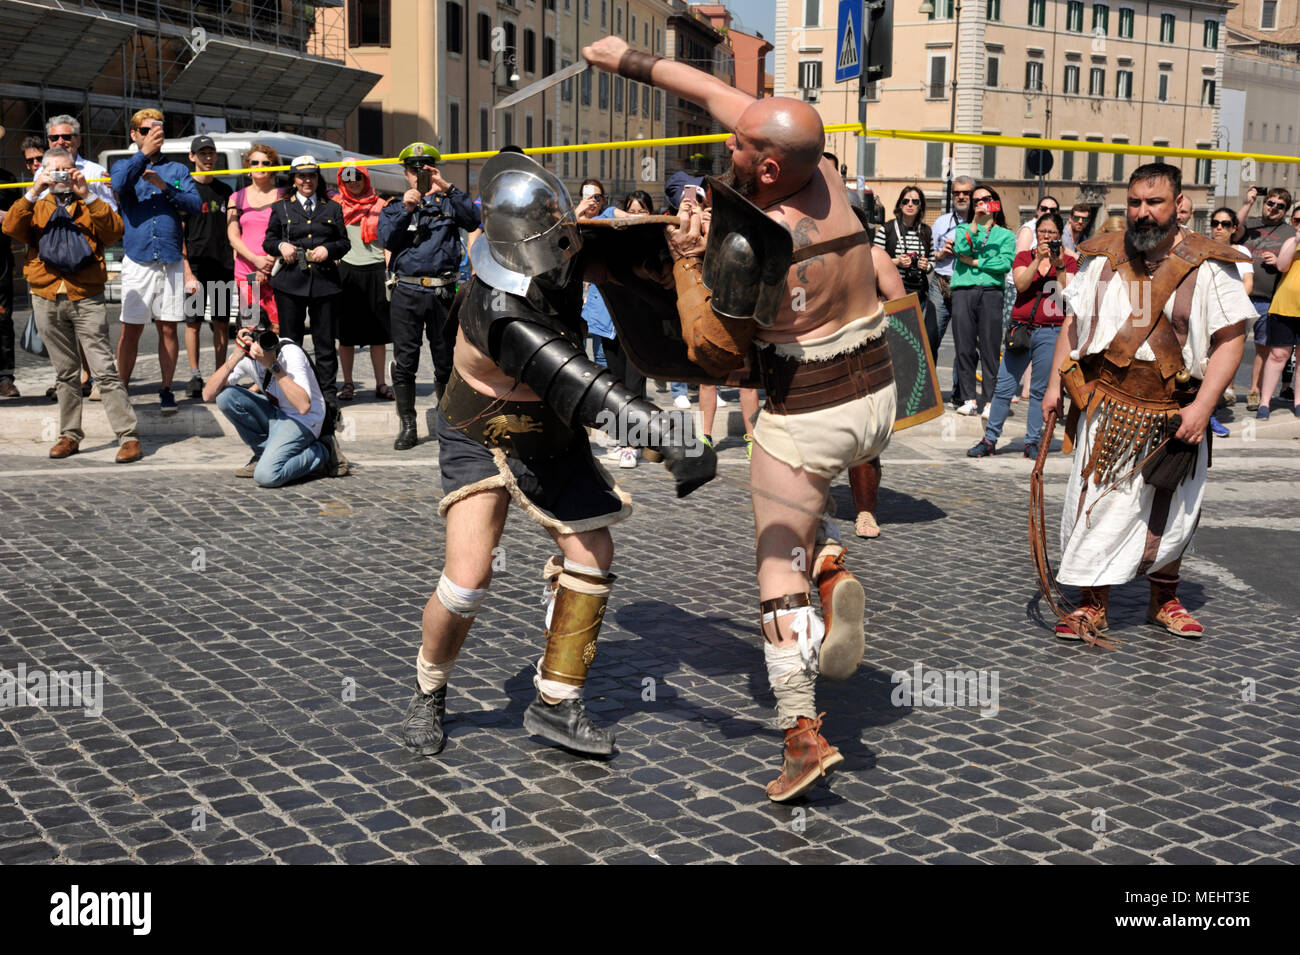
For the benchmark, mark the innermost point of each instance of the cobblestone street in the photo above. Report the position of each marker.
(257, 651)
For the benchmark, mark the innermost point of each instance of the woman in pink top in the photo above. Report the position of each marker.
(250, 211)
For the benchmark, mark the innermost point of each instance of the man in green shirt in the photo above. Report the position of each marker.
(984, 250)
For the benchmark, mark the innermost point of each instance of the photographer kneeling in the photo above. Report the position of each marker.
(280, 417)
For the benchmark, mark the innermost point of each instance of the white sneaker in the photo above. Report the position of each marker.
(682, 401)
(985, 413)
(721, 401)
(627, 458)
(969, 408)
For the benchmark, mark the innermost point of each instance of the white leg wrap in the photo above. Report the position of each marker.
(554, 689)
(808, 629)
(432, 676)
(460, 601)
(793, 685)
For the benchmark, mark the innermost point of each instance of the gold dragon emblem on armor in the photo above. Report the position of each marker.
(505, 425)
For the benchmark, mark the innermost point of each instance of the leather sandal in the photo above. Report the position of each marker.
(347, 392)
(1175, 618)
(1087, 623)
(384, 393)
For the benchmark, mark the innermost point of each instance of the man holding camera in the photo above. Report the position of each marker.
(422, 233)
(68, 296)
(280, 417)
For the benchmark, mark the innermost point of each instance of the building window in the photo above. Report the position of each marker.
(369, 22)
(566, 88)
(1074, 16)
(1094, 161)
(548, 56)
(645, 101)
(1125, 23)
(1071, 79)
(484, 128)
(530, 51)
(508, 119)
(1067, 162)
(993, 10)
(1124, 84)
(604, 90)
(1034, 75)
(1250, 130)
(370, 130)
(1167, 27)
(812, 13)
(938, 88)
(1100, 19)
(659, 104)
(1162, 87)
(1037, 12)
(484, 38)
(586, 11)
(1117, 168)
(942, 10)
(618, 21)
(453, 123)
(1268, 15)
(1210, 37)
(631, 97)
(645, 30)
(1203, 167)
(933, 160)
(584, 88)
(989, 163)
(618, 94)
(869, 170)
(1097, 81)
(1207, 92)
(455, 28)
(565, 159)
(510, 39)
(992, 68)
(810, 74)
(528, 132)
(631, 33)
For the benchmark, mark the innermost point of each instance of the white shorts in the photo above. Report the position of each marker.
(152, 292)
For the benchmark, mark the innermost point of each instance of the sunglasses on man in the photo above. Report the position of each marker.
(961, 192)
(1048, 209)
(33, 160)
(1274, 205)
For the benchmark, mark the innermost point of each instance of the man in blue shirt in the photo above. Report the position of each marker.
(422, 232)
(944, 231)
(152, 194)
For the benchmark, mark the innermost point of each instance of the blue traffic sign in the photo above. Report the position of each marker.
(848, 41)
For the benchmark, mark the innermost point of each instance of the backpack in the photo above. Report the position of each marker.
(63, 247)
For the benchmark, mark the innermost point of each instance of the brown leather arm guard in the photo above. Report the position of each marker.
(718, 345)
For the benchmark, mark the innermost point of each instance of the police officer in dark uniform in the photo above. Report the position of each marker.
(422, 233)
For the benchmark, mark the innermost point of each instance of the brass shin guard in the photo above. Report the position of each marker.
(580, 601)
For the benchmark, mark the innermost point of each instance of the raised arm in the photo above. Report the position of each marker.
(724, 103)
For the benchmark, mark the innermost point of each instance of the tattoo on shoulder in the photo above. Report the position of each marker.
(803, 232)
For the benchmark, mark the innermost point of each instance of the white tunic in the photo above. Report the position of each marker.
(1111, 539)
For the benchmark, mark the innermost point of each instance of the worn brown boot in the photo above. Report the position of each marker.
(1165, 610)
(129, 451)
(843, 604)
(808, 757)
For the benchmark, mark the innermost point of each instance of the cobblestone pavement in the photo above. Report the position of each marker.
(252, 690)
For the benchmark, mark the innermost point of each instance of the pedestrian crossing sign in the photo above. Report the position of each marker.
(848, 41)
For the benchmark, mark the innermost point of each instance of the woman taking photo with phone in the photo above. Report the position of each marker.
(1040, 274)
(984, 250)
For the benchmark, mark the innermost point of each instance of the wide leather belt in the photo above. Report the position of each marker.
(427, 281)
(527, 430)
(795, 387)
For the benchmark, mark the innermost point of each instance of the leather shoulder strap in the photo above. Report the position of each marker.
(842, 244)
(1196, 248)
(1148, 323)
(1109, 244)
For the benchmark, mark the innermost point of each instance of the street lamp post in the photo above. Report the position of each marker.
(506, 58)
(927, 8)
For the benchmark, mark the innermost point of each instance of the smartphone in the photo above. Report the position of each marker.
(993, 206)
(424, 180)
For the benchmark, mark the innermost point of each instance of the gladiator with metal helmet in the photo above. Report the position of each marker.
(511, 427)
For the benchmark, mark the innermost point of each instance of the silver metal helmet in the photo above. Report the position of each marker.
(529, 226)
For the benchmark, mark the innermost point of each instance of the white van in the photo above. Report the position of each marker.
(387, 180)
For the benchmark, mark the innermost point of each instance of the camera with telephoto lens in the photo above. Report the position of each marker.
(269, 340)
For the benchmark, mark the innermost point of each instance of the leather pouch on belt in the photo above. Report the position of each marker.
(718, 345)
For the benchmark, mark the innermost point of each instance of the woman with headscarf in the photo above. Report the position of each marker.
(364, 318)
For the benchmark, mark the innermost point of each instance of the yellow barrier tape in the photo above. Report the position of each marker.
(939, 136)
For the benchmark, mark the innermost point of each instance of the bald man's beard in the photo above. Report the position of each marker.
(744, 183)
(1146, 234)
